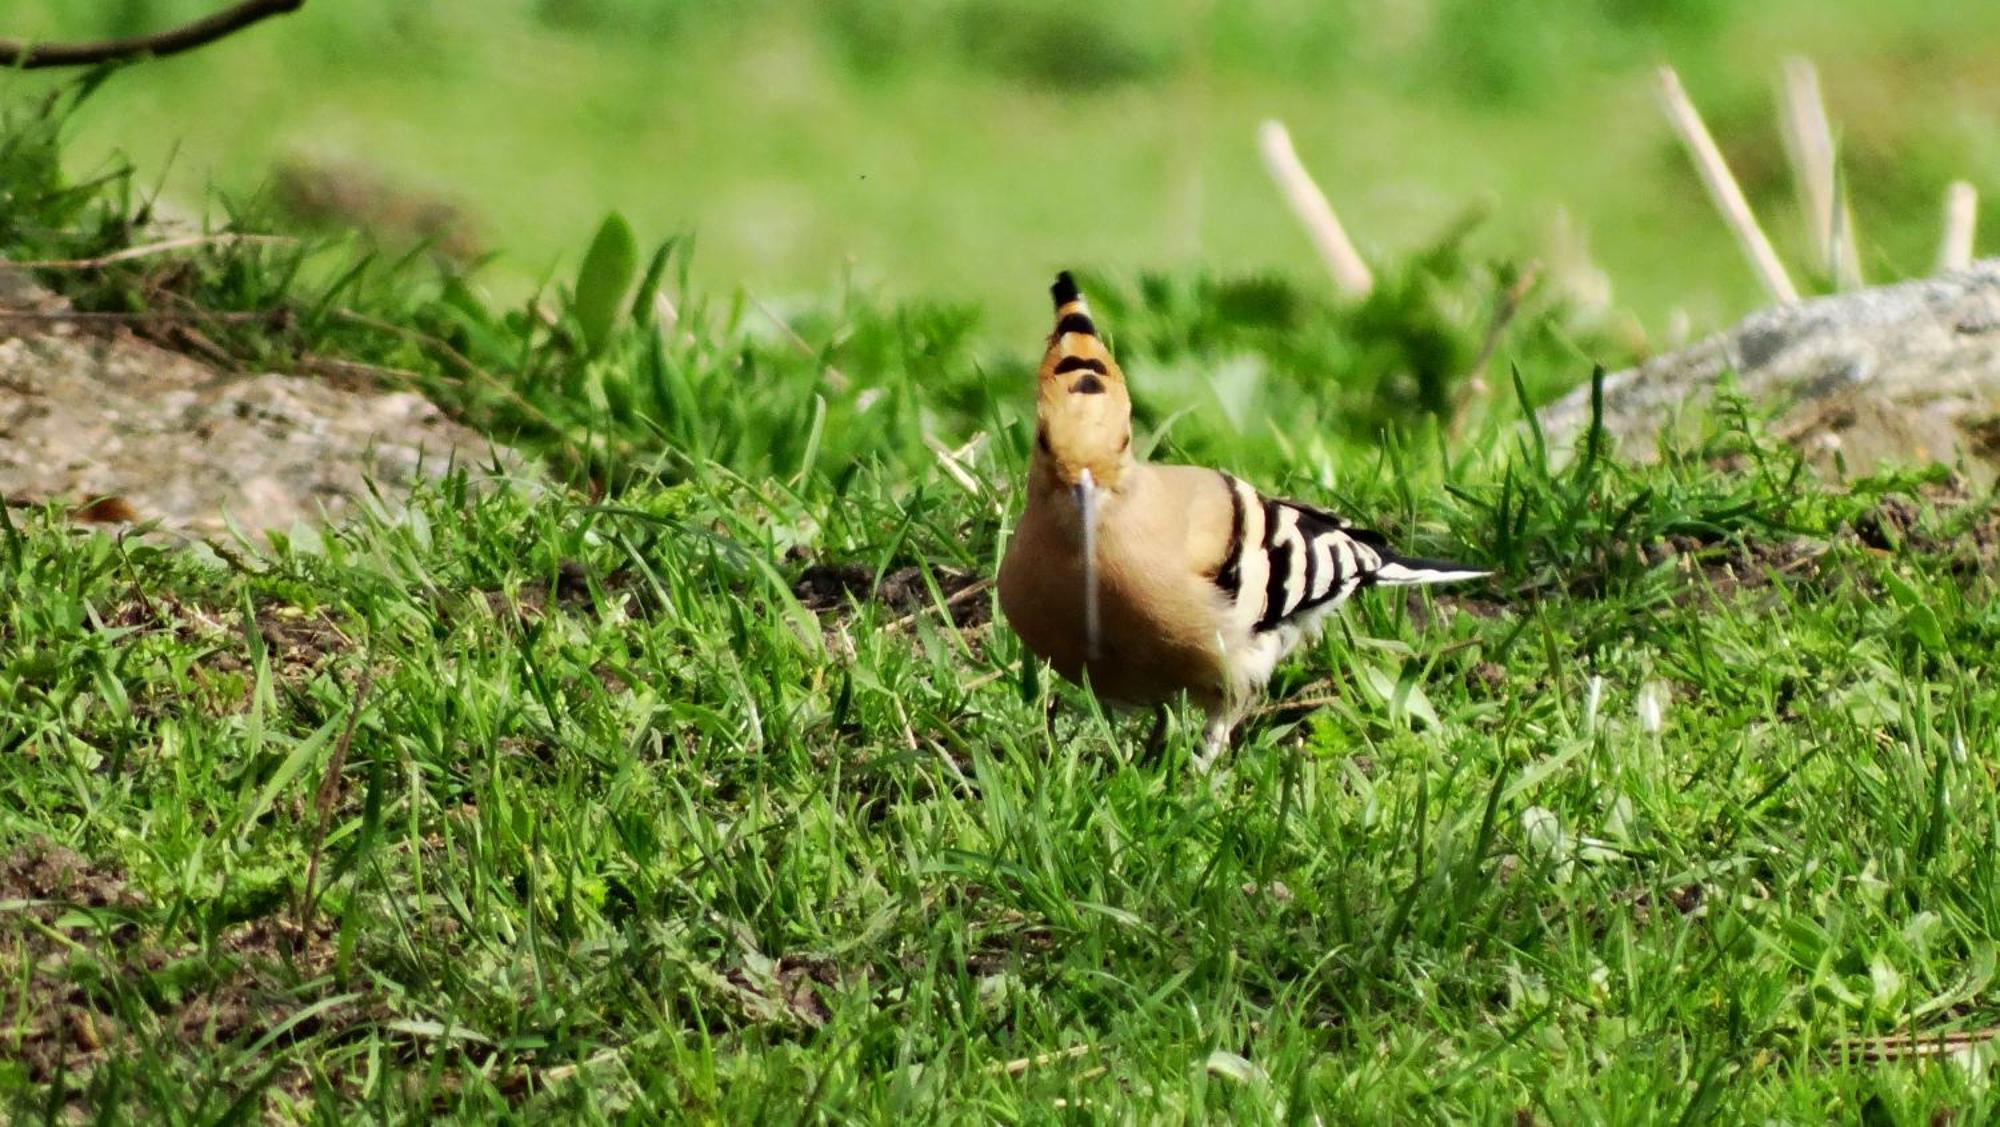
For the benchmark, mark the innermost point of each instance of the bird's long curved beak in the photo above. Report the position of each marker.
(1086, 508)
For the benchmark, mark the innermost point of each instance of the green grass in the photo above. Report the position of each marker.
(586, 805)
(948, 150)
(592, 372)
(622, 827)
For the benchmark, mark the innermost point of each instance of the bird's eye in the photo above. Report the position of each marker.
(1042, 440)
(1126, 444)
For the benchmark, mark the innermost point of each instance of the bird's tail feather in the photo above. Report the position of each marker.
(1404, 571)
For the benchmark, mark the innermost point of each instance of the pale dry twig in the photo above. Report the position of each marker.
(1723, 189)
(1314, 212)
(1961, 216)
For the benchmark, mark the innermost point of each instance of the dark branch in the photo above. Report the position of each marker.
(173, 41)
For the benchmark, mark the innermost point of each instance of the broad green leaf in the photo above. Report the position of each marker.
(1899, 589)
(1917, 614)
(603, 279)
(483, 340)
(1924, 624)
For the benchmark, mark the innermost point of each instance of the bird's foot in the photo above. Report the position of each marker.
(1214, 741)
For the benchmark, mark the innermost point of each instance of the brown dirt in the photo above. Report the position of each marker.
(1730, 569)
(835, 589)
(1010, 941)
(297, 644)
(1437, 606)
(1961, 531)
(790, 993)
(345, 193)
(1985, 438)
(569, 592)
(1485, 677)
(90, 962)
(44, 871)
(1889, 524)
(295, 640)
(1977, 543)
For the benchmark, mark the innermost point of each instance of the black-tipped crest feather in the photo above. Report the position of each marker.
(1075, 323)
(1064, 291)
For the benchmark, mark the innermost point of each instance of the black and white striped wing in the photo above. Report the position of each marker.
(1285, 560)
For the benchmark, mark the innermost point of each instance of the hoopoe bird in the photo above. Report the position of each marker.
(1146, 581)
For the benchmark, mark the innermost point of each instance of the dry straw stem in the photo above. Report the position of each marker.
(1722, 188)
(1911, 1045)
(948, 462)
(1505, 305)
(147, 250)
(1808, 137)
(835, 378)
(1018, 1066)
(1314, 212)
(329, 792)
(965, 594)
(953, 463)
(1961, 215)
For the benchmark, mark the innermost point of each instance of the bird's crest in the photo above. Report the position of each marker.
(1077, 363)
(1083, 411)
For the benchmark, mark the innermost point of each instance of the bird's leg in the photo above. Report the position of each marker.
(1214, 741)
(1156, 740)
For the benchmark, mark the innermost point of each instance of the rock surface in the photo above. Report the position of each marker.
(1902, 373)
(153, 435)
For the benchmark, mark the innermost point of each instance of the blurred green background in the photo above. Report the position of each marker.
(965, 149)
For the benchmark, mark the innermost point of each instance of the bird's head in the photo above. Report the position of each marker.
(1083, 431)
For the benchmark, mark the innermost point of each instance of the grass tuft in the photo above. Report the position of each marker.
(716, 792)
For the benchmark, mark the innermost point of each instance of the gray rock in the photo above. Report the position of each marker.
(91, 415)
(1903, 373)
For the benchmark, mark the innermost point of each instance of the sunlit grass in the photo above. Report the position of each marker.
(1675, 819)
(800, 155)
(622, 826)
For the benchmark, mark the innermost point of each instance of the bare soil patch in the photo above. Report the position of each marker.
(147, 422)
(98, 983)
(837, 588)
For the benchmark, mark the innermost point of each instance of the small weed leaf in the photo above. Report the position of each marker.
(1917, 614)
(1925, 626)
(603, 279)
